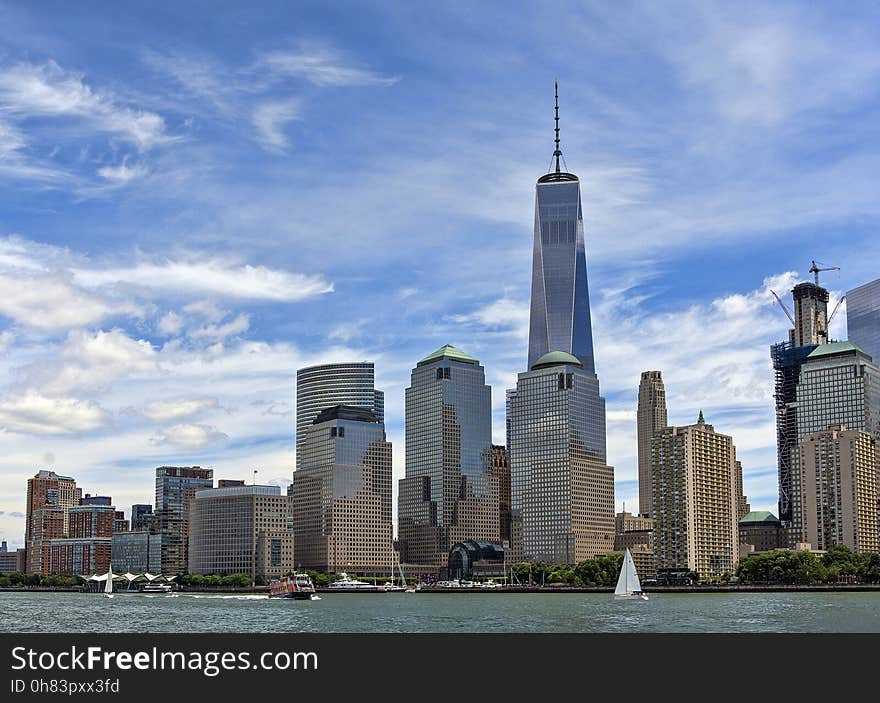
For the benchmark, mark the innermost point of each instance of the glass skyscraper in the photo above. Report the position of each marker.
(863, 318)
(448, 494)
(560, 311)
(327, 385)
(562, 491)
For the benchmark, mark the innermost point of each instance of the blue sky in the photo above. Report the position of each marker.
(199, 198)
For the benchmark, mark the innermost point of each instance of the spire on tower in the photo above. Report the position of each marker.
(558, 152)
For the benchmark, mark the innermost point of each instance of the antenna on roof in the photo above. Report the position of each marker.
(558, 152)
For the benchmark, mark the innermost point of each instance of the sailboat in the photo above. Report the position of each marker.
(628, 586)
(108, 586)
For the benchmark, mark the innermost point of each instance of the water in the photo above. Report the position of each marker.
(409, 612)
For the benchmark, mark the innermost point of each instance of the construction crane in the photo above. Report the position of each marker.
(815, 270)
(784, 309)
(830, 318)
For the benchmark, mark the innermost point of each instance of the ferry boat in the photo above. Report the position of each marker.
(156, 588)
(299, 587)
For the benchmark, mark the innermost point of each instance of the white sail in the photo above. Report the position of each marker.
(108, 586)
(628, 581)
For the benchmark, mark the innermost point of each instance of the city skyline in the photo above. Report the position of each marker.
(155, 306)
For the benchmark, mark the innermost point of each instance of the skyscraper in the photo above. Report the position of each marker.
(562, 491)
(341, 495)
(809, 331)
(49, 496)
(838, 385)
(176, 488)
(839, 482)
(448, 494)
(560, 310)
(863, 318)
(650, 418)
(696, 506)
(326, 385)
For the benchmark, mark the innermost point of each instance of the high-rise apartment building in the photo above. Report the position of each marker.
(560, 302)
(650, 418)
(87, 548)
(327, 385)
(810, 330)
(562, 491)
(176, 488)
(341, 494)
(695, 509)
(863, 318)
(839, 470)
(49, 496)
(448, 495)
(240, 530)
(142, 517)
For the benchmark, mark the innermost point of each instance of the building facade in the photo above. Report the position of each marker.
(448, 495)
(499, 467)
(176, 488)
(12, 561)
(341, 494)
(863, 318)
(138, 551)
(142, 517)
(650, 418)
(231, 530)
(87, 548)
(562, 491)
(695, 507)
(49, 496)
(839, 482)
(839, 385)
(559, 317)
(327, 385)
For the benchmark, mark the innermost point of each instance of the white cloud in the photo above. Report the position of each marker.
(170, 324)
(47, 90)
(189, 436)
(211, 277)
(269, 120)
(164, 410)
(123, 173)
(323, 67)
(33, 413)
(234, 327)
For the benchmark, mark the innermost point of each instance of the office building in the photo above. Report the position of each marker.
(142, 517)
(137, 551)
(560, 300)
(838, 385)
(863, 318)
(695, 508)
(562, 491)
(240, 530)
(448, 494)
(499, 467)
(176, 487)
(341, 495)
(120, 524)
(809, 331)
(11, 560)
(327, 385)
(650, 417)
(48, 498)
(838, 470)
(761, 531)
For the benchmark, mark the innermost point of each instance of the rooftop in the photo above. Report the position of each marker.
(556, 358)
(759, 516)
(447, 351)
(346, 412)
(835, 348)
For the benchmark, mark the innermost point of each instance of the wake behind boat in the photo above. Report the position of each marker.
(628, 585)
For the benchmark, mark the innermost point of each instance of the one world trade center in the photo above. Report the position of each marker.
(560, 312)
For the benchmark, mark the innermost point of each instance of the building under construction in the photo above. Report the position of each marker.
(809, 329)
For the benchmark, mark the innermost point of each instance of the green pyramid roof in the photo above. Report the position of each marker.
(835, 348)
(759, 516)
(447, 351)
